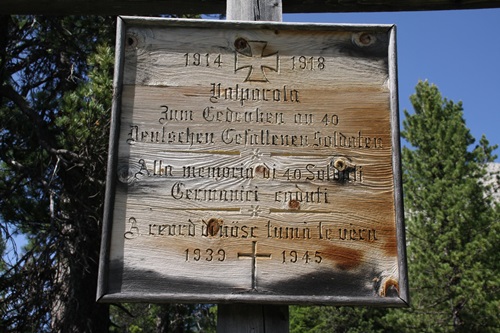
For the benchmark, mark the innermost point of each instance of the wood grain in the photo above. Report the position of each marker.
(243, 318)
(249, 183)
(254, 10)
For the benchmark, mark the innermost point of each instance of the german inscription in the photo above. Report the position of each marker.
(256, 163)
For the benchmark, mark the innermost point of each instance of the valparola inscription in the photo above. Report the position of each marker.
(250, 162)
(246, 120)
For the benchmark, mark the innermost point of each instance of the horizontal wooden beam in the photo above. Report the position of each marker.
(181, 7)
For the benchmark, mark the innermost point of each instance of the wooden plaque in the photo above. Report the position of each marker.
(254, 162)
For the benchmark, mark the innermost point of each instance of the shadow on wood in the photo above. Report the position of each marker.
(254, 318)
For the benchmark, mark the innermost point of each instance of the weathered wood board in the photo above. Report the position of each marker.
(254, 162)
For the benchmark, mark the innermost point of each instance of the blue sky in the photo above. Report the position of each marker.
(458, 51)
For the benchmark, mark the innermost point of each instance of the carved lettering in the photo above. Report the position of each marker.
(280, 232)
(308, 63)
(161, 169)
(216, 228)
(189, 137)
(238, 172)
(179, 229)
(250, 137)
(352, 233)
(342, 140)
(210, 114)
(256, 165)
(241, 94)
(179, 191)
(205, 60)
(318, 196)
(352, 173)
(173, 115)
(211, 255)
(306, 257)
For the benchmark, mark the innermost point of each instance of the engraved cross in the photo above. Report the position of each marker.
(254, 256)
(256, 61)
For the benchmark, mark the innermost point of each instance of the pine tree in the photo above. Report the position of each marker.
(163, 318)
(330, 319)
(453, 232)
(452, 222)
(55, 98)
(55, 102)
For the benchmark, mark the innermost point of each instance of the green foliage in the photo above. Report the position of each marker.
(55, 102)
(150, 318)
(356, 320)
(55, 95)
(452, 223)
(132, 318)
(329, 319)
(55, 98)
(450, 213)
(305, 319)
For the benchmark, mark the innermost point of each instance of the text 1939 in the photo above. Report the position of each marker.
(206, 255)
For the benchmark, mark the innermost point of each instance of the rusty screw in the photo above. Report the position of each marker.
(340, 164)
(294, 204)
(261, 169)
(213, 226)
(365, 39)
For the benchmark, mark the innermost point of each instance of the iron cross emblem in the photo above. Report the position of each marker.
(252, 55)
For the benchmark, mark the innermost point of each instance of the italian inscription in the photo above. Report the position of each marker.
(256, 158)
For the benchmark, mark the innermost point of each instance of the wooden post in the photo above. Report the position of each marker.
(254, 10)
(253, 318)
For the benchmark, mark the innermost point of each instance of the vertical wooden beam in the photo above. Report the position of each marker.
(254, 10)
(254, 318)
